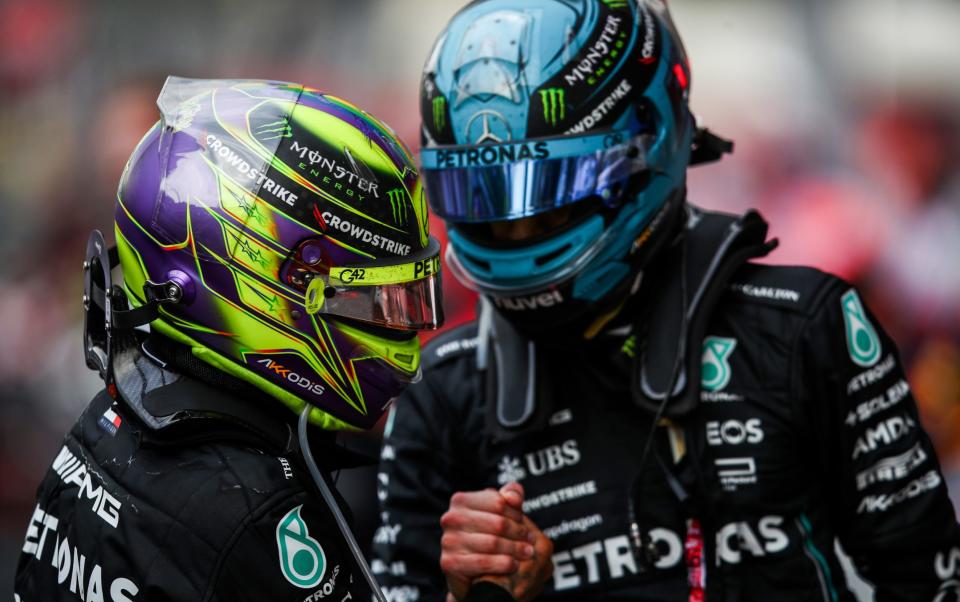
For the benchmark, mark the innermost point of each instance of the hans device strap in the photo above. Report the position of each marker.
(717, 244)
(105, 305)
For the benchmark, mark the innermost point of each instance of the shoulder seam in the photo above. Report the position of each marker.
(241, 528)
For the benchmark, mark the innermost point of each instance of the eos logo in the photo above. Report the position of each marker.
(734, 432)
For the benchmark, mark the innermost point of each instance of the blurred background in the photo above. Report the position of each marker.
(846, 116)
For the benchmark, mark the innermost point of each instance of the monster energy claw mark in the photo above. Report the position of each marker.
(277, 129)
(552, 100)
(397, 206)
(439, 113)
(302, 560)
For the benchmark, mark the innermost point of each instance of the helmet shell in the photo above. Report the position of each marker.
(235, 178)
(529, 70)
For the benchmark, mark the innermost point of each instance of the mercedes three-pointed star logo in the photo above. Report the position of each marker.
(493, 127)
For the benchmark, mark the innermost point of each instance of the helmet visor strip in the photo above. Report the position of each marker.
(515, 180)
(402, 293)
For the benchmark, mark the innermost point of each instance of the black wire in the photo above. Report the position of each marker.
(636, 536)
(334, 507)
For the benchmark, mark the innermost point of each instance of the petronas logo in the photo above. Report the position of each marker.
(554, 108)
(302, 560)
(439, 113)
(715, 368)
(397, 206)
(862, 340)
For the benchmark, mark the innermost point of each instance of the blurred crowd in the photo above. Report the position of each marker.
(850, 148)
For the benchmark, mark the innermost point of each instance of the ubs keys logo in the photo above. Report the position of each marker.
(715, 367)
(302, 560)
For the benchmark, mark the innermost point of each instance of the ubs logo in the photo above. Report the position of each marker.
(488, 126)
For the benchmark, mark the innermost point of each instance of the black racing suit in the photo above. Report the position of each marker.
(806, 434)
(215, 505)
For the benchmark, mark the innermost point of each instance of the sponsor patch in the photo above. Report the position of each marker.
(715, 370)
(302, 560)
(110, 422)
(862, 340)
(735, 472)
(892, 468)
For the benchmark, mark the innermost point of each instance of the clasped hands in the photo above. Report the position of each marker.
(487, 537)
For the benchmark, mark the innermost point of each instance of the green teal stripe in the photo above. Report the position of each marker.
(818, 556)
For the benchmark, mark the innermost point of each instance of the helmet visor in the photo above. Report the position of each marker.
(514, 180)
(404, 293)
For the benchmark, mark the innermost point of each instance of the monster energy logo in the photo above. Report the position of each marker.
(279, 129)
(302, 560)
(397, 206)
(552, 100)
(616, 3)
(439, 113)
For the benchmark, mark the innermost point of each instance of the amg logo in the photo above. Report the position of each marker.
(73, 471)
(542, 300)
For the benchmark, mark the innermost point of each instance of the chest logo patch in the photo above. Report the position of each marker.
(302, 560)
(862, 340)
(715, 368)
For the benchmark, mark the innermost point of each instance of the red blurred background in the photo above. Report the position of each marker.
(846, 116)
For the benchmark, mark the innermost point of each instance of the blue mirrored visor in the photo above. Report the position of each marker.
(520, 179)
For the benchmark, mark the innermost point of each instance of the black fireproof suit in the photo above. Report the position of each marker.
(806, 434)
(214, 505)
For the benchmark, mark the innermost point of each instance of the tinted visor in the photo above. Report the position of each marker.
(514, 180)
(403, 294)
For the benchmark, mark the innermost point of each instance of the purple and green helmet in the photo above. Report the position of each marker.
(296, 227)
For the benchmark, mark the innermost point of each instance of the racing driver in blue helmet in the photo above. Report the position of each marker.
(680, 422)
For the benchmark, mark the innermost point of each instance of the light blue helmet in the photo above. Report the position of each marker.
(529, 106)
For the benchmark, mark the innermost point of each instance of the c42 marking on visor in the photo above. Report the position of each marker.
(302, 560)
(862, 340)
(715, 371)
